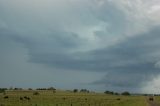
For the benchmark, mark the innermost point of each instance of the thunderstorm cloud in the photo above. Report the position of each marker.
(93, 44)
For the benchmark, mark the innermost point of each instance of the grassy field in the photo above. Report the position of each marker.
(157, 99)
(48, 98)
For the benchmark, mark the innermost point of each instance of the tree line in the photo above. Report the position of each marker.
(116, 93)
(2, 90)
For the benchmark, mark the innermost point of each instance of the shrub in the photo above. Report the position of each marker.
(35, 93)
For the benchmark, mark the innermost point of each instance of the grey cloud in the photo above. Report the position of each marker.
(129, 63)
(112, 15)
(138, 56)
(54, 34)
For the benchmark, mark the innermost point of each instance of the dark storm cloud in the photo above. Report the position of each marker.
(127, 64)
(57, 39)
(134, 61)
(115, 38)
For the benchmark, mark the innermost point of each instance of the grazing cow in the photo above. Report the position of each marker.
(25, 97)
(21, 98)
(6, 97)
(151, 98)
(64, 98)
(28, 98)
(118, 99)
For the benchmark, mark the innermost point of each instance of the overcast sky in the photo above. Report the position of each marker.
(94, 44)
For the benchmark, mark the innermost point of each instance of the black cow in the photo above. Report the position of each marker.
(118, 99)
(26, 98)
(21, 98)
(6, 97)
(151, 98)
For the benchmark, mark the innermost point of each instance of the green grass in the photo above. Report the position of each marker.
(48, 98)
(157, 99)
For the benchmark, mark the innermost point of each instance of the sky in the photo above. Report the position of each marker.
(94, 44)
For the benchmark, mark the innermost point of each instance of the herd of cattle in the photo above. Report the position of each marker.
(20, 98)
(28, 98)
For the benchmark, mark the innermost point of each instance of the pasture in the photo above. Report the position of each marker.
(64, 98)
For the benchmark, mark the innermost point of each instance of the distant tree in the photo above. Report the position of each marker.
(30, 89)
(84, 90)
(18, 88)
(145, 94)
(41, 89)
(109, 92)
(75, 90)
(51, 88)
(116, 93)
(15, 88)
(126, 93)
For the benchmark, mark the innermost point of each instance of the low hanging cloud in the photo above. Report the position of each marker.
(117, 38)
(128, 64)
(133, 62)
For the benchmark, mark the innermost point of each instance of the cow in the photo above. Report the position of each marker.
(118, 99)
(6, 97)
(27, 98)
(21, 98)
(151, 98)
